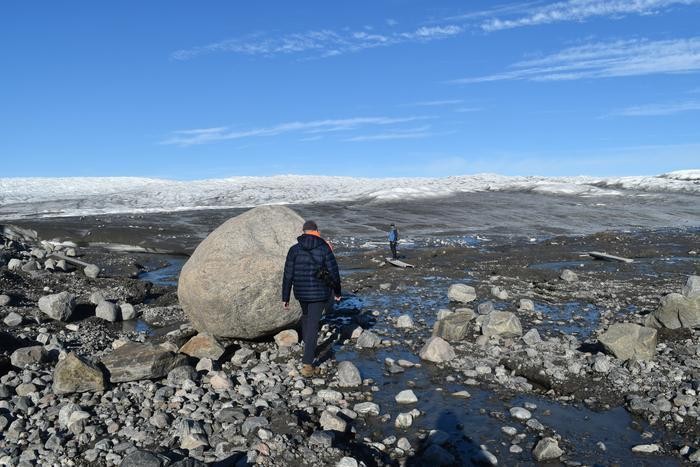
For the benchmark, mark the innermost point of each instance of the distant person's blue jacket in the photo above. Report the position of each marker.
(393, 235)
(300, 270)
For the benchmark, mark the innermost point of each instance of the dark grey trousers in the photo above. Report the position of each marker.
(310, 321)
(392, 245)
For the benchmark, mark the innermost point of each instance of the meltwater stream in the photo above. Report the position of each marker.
(588, 437)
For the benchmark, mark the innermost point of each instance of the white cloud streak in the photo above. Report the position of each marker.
(580, 10)
(321, 43)
(406, 133)
(436, 103)
(605, 60)
(652, 110)
(211, 135)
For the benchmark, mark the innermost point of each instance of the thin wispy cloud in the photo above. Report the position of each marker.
(605, 60)
(211, 135)
(652, 110)
(436, 103)
(321, 43)
(580, 10)
(407, 133)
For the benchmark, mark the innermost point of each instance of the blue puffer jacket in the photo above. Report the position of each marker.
(300, 270)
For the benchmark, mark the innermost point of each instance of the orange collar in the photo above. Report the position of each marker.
(316, 233)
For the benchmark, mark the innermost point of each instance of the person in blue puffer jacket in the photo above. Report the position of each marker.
(393, 241)
(304, 260)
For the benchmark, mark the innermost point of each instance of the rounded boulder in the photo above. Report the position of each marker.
(231, 285)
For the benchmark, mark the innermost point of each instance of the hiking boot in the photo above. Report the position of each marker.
(307, 371)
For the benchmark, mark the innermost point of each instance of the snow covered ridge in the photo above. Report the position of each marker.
(99, 195)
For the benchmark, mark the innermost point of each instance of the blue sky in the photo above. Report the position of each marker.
(365, 88)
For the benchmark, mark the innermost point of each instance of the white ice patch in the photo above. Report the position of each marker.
(51, 197)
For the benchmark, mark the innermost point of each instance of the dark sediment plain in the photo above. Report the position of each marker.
(503, 345)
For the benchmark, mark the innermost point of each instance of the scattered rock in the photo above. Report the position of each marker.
(526, 305)
(58, 306)
(107, 311)
(407, 396)
(547, 449)
(203, 346)
(12, 319)
(75, 374)
(454, 327)
(461, 293)
(501, 323)
(532, 337)
(485, 308)
(5, 300)
(499, 293)
(676, 311)
(128, 311)
(403, 420)
(691, 289)
(646, 448)
(348, 375)
(567, 275)
(330, 421)
(91, 271)
(135, 362)
(368, 340)
(630, 341)
(287, 338)
(404, 321)
(27, 356)
(437, 350)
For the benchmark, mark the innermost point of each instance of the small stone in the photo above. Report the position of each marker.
(13, 319)
(179, 375)
(128, 311)
(58, 306)
(332, 422)
(532, 337)
(5, 300)
(407, 396)
(27, 356)
(348, 375)
(368, 340)
(404, 322)
(461, 293)
(203, 346)
(97, 297)
(220, 381)
(437, 350)
(526, 305)
(75, 374)
(499, 293)
(520, 413)
(403, 420)
(404, 444)
(485, 308)
(366, 408)
(567, 275)
(107, 311)
(347, 462)
(91, 271)
(287, 338)
(547, 449)
(646, 448)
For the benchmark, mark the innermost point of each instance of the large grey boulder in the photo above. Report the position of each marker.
(58, 306)
(230, 286)
(630, 341)
(461, 293)
(135, 362)
(501, 323)
(454, 327)
(75, 374)
(437, 350)
(676, 311)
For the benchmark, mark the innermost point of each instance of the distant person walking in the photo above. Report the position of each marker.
(311, 270)
(393, 240)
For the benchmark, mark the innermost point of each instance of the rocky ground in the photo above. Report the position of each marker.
(485, 353)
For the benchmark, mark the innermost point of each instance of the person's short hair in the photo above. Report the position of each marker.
(310, 225)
